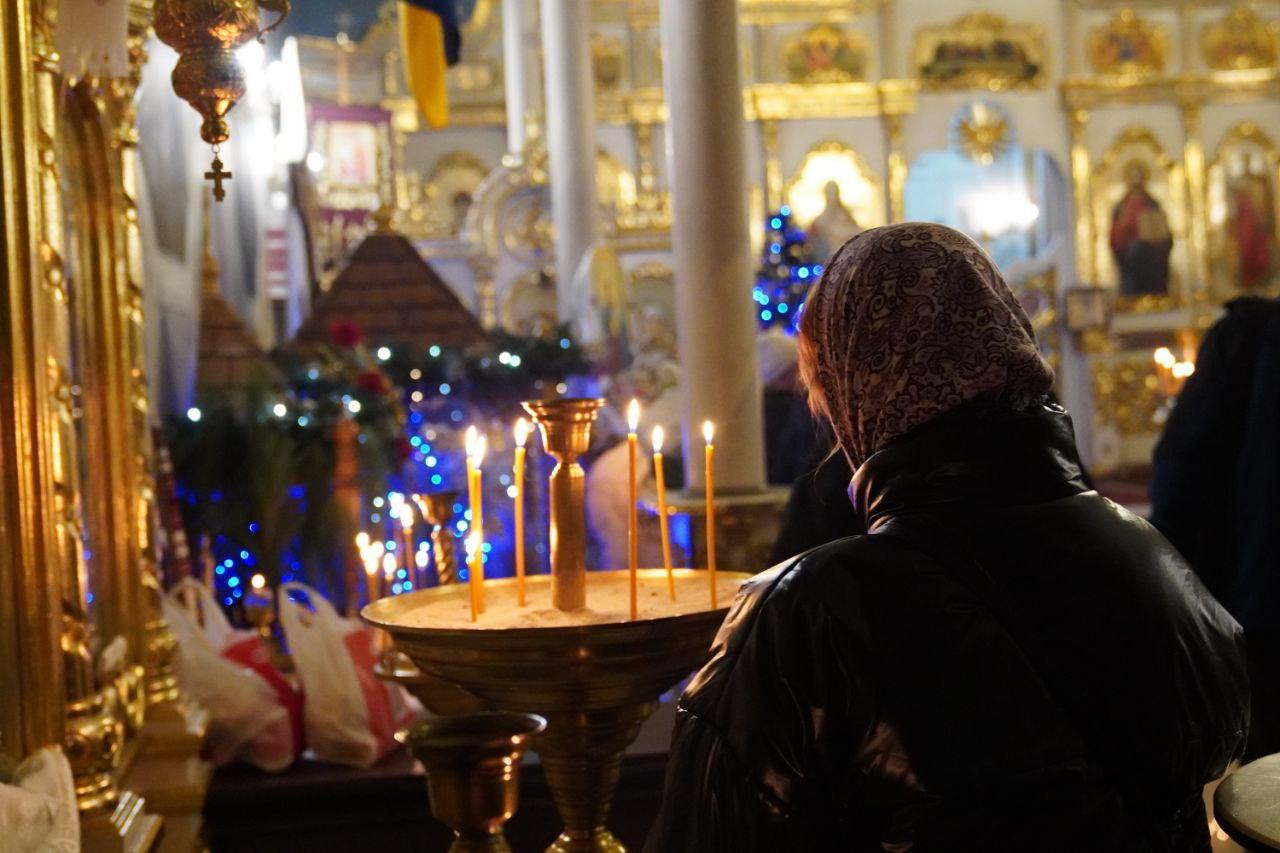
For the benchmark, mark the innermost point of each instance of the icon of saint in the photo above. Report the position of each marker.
(1140, 238)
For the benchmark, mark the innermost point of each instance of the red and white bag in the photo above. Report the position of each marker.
(255, 712)
(351, 715)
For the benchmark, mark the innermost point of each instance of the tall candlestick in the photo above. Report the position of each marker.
(517, 473)
(708, 433)
(475, 458)
(660, 478)
(633, 539)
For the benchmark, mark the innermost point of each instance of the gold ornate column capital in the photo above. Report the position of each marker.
(1081, 178)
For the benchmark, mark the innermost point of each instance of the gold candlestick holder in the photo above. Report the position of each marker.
(437, 508)
(473, 773)
(594, 683)
(565, 424)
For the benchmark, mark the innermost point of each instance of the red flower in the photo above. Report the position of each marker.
(345, 333)
(373, 382)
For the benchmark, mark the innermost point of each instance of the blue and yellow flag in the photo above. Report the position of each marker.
(429, 43)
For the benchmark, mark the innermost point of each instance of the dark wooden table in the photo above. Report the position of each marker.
(1247, 804)
(318, 807)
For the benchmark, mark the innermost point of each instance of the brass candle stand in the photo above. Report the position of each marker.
(594, 683)
(473, 767)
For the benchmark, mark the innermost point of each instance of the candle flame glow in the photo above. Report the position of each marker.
(389, 564)
(362, 540)
(1164, 357)
(469, 442)
(257, 581)
(633, 415)
(522, 432)
(475, 446)
(1183, 369)
(658, 435)
(708, 431)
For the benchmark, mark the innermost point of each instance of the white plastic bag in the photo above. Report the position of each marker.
(255, 714)
(351, 715)
(38, 809)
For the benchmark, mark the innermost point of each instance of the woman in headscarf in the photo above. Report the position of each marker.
(1006, 661)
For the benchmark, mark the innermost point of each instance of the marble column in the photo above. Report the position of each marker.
(571, 141)
(715, 321)
(514, 77)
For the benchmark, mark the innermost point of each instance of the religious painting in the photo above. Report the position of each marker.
(1241, 40)
(1128, 45)
(833, 196)
(451, 187)
(825, 53)
(348, 144)
(1139, 222)
(1244, 243)
(606, 61)
(981, 51)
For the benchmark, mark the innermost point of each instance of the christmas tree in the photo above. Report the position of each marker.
(785, 273)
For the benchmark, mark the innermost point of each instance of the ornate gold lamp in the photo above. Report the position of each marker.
(208, 76)
(595, 683)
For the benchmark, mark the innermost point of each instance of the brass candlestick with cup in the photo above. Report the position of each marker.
(572, 653)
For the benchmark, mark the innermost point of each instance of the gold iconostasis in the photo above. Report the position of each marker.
(1125, 152)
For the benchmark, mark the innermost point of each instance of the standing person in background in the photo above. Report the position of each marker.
(1216, 489)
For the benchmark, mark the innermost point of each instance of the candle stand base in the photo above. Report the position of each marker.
(594, 683)
(473, 773)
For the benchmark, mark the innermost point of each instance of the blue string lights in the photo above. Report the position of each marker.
(785, 274)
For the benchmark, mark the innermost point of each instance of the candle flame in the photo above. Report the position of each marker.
(406, 516)
(522, 432)
(658, 435)
(362, 540)
(469, 443)
(1164, 357)
(389, 564)
(396, 499)
(376, 550)
(257, 581)
(633, 415)
(708, 431)
(1183, 369)
(482, 444)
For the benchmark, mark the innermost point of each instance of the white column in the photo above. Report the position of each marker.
(715, 321)
(514, 77)
(571, 140)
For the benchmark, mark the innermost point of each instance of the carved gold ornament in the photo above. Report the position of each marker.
(208, 76)
(981, 51)
(982, 132)
(1129, 46)
(606, 61)
(825, 53)
(1241, 40)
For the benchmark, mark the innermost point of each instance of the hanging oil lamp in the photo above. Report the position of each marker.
(208, 76)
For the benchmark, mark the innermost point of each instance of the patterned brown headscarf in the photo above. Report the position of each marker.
(908, 322)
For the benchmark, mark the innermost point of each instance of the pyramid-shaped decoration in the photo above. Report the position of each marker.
(394, 296)
(229, 357)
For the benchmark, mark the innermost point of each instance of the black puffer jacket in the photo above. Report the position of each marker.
(1008, 661)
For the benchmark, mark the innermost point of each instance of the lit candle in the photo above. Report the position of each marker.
(388, 571)
(633, 540)
(371, 560)
(473, 585)
(521, 436)
(708, 434)
(406, 531)
(660, 478)
(475, 457)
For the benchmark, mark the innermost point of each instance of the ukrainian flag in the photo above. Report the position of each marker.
(429, 44)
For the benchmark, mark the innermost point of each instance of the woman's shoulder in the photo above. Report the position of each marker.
(856, 565)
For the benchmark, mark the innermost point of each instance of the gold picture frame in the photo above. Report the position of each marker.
(833, 161)
(981, 51)
(1138, 203)
(826, 53)
(1240, 40)
(1129, 46)
(1243, 213)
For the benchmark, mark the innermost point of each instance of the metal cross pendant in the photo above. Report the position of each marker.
(217, 175)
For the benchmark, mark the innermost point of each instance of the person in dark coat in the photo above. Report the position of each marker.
(1215, 489)
(1005, 661)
